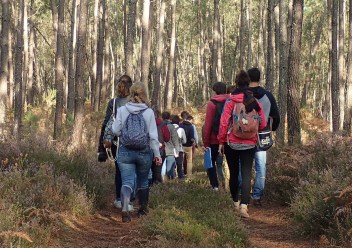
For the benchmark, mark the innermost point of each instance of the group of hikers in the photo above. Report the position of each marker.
(149, 146)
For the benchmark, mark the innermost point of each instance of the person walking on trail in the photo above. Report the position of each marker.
(172, 147)
(110, 142)
(163, 136)
(238, 139)
(271, 113)
(136, 128)
(175, 120)
(196, 138)
(211, 129)
(189, 130)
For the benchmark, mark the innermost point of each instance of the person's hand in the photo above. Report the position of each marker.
(204, 149)
(158, 161)
(177, 156)
(221, 150)
(107, 144)
(160, 145)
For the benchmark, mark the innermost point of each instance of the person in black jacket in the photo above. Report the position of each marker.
(189, 130)
(123, 90)
(271, 111)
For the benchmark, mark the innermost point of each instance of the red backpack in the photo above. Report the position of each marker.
(244, 125)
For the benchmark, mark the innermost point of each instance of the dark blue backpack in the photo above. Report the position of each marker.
(134, 133)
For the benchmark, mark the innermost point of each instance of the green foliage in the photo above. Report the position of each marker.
(188, 214)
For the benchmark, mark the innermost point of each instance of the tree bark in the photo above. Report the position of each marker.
(260, 37)
(293, 123)
(249, 21)
(269, 80)
(71, 60)
(171, 66)
(341, 58)
(100, 56)
(11, 71)
(5, 24)
(18, 74)
(217, 41)
(80, 72)
(30, 94)
(131, 33)
(25, 55)
(94, 46)
(59, 70)
(282, 97)
(348, 110)
(156, 99)
(335, 90)
(241, 40)
(106, 58)
(145, 51)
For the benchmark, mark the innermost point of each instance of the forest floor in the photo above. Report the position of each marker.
(268, 226)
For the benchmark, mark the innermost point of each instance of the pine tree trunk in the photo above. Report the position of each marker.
(282, 96)
(131, 32)
(5, 24)
(94, 46)
(171, 66)
(80, 73)
(104, 88)
(341, 61)
(145, 52)
(241, 39)
(11, 71)
(25, 57)
(217, 36)
(335, 90)
(71, 60)
(156, 99)
(30, 97)
(269, 80)
(348, 109)
(18, 74)
(249, 21)
(260, 38)
(59, 70)
(293, 123)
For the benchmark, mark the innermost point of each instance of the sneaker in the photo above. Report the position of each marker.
(130, 207)
(243, 211)
(117, 204)
(216, 189)
(257, 203)
(125, 216)
(236, 206)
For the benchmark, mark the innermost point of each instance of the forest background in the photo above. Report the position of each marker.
(61, 60)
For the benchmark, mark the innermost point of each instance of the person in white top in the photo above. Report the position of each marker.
(175, 120)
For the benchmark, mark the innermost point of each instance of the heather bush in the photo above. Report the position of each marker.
(314, 180)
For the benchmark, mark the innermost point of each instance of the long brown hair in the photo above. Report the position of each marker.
(123, 86)
(138, 94)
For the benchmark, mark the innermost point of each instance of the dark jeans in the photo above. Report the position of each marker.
(179, 161)
(118, 181)
(156, 170)
(246, 157)
(213, 177)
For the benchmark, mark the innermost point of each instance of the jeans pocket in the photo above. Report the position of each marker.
(123, 157)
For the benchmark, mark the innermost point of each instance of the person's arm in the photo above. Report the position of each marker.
(153, 132)
(195, 134)
(174, 138)
(117, 125)
(274, 112)
(183, 135)
(224, 121)
(210, 112)
(262, 117)
(108, 112)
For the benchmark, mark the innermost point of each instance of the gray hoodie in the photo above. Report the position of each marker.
(134, 108)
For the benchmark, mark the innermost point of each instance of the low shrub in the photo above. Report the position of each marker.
(188, 214)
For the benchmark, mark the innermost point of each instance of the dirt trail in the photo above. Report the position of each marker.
(268, 227)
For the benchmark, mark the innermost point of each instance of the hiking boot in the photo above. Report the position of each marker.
(236, 206)
(143, 202)
(125, 216)
(257, 203)
(243, 211)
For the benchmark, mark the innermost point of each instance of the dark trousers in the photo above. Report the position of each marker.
(118, 180)
(156, 169)
(246, 157)
(179, 161)
(213, 177)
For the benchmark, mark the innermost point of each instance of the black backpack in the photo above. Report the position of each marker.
(216, 119)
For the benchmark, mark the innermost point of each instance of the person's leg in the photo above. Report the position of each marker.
(188, 152)
(127, 166)
(219, 162)
(184, 162)
(213, 178)
(143, 164)
(232, 158)
(260, 168)
(246, 157)
(170, 166)
(179, 161)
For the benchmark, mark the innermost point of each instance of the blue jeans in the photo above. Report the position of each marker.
(170, 166)
(133, 162)
(260, 169)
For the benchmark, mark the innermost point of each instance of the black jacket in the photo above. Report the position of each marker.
(187, 126)
(269, 105)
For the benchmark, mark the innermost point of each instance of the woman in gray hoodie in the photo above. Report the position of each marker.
(136, 127)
